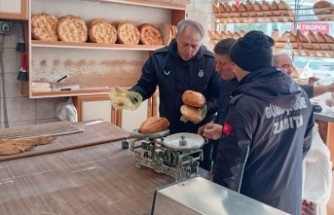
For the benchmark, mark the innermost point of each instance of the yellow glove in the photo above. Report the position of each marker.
(193, 114)
(124, 99)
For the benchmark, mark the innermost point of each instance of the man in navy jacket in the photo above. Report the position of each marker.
(183, 65)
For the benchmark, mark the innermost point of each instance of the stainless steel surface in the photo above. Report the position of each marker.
(200, 196)
(136, 134)
(183, 141)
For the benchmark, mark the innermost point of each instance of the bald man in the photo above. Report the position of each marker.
(284, 63)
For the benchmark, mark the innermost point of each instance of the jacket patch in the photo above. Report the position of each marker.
(227, 128)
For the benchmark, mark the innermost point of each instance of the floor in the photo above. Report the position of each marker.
(330, 204)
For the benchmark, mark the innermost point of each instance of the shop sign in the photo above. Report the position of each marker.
(305, 27)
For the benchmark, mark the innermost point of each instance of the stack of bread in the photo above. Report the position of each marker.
(253, 11)
(193, 109)
(311, 43)
(215, 35)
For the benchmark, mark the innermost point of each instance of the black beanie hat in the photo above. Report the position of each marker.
(253, 51)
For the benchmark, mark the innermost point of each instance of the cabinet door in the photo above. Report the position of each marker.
(130, 120)
(95, 107)
(14, 9)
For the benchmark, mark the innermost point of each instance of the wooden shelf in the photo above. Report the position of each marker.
(60, 44)
(146, 3)
(95, 67)
(95, 91)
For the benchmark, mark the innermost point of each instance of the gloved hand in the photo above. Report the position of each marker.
(193, 114)
(124, 99)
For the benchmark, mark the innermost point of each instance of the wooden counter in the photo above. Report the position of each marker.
(101, 179)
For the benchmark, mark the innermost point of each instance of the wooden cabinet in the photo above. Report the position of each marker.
(92, 68)
(93, 107)
(130, 120)
(14, 9)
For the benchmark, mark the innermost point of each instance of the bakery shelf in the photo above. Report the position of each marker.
(88, 91)
(145, 3)
(60, 44)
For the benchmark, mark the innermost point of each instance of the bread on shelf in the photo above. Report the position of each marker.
(324, 10)
(44, 27)
(127, 33)
(101, 31)
(150, 35)
(293, 40)
(266, 7)
(72, 29)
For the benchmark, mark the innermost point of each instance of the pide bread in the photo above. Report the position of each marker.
(153, 125)
(193, 98)
(72, 29)
(150, 35)
(44, 27)
(100, 31)
(192, 114)
(127, 33)
(16, 146)
(167, 33)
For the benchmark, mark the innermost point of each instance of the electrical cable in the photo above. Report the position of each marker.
(3, 87)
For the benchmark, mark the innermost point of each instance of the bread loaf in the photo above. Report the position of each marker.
(192, 114)
(193, 98)
(153, 125)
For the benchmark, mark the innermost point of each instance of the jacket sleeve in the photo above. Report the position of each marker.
(214, 87)
(233, 150)
(148, 81)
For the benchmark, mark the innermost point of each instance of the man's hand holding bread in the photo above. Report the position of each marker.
(194, 108)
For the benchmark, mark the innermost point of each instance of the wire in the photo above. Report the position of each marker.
(3, 87)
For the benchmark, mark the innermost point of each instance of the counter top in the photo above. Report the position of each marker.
(100, 179)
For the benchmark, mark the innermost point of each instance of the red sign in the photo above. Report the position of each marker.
(305, 27)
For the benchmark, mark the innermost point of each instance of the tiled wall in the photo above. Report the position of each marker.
(24, 111)
(21, 110)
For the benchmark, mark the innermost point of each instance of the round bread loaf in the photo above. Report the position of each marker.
(44, 27)
(72, 29)
(192, 114)
(150, 35)
(153, 125)
(100, 31)
(127, 33)
(323, 9)
(193, 98)
(167, 33)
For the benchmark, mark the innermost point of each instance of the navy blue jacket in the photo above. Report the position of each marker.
(173, 76)
(267, 132)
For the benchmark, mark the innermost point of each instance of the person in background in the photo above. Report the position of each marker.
(284, 63)
(267, 129)
(317, 165)
(185, 64)
(213, 130)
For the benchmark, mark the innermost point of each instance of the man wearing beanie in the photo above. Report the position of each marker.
(267, 130)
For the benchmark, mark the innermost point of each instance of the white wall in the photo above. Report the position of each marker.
(25, 111)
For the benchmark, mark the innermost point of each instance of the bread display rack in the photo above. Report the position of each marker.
(75, 60)
(253, 12)
(314, 44)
